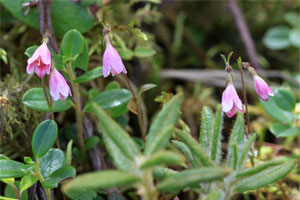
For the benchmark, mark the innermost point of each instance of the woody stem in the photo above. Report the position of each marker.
(139, 114)
(78, 111)
(49, 101)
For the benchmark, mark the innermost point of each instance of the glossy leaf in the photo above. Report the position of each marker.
(285, 100)
(57, 176)
(72, 44)
(53, 160)
(194, 147)
(191, 177)
(276, 112)
(8, 181)
(115, 100)
(162, 127)
(186, 151)
(277, 38)
(100, 180)
(35, 99)
(30, 51)
(217, 136)
(116, 134)
(284, 130)
(161, 158)
(82, 60)
(206, 129)
(90, 75)
(27, 181)
(43, 138)
(143, 51)
(11, 169)
(9, 192)
(69, 14)
(264, 177)
(83, 194)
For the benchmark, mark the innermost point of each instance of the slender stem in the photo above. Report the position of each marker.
(49, 101)
(139, 114)
(41, 179)
(78, 111)
(285, 197)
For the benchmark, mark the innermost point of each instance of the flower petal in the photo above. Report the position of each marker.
(232, 112)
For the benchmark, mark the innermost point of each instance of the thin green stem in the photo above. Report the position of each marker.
(49, 101)
(40, 177)
(139, 113)
(78, 111)
(148, 191)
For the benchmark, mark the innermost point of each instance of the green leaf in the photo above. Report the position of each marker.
(9, 192)
(83, 194)
(66, 15)
(125, 53)
(72, 44)
(191, 177)
(294, 37)
(52, 161)
(186, 151)
(206, 129)
(217, 135)
(35, 99)
(145, 88)
(161, 158)
(215, 195)
(245, 151)
(11, 169)
(7, 198)
(162, 127)
(277, 38)
(292, 18)
(276, 112)
(8, 181)
(30, 51)
(285, 100)
(43, 138)
(69, 153)
(114, 100)
(143, 51)
(82, 60)
(91, 142)
(162, 172)
(90, 75)
(57, 176)
(100, 180)
(194, 147)
(284, 130)
(121, 161)
(112, 85)
(27, 181)
(261, 178)
(118, 136)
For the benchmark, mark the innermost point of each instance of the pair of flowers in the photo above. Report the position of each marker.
(231, 101)
(40, 63)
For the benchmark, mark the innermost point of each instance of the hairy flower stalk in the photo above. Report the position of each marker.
(112, 63)
(230, 99)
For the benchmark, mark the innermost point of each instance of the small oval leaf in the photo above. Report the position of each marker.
(43, 138)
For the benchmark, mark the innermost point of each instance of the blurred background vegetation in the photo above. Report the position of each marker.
(173, 44)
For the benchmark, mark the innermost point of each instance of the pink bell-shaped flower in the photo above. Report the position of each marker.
(40, 61)
(262, 88)
(112, 61)
(59, 89)
(231, 101)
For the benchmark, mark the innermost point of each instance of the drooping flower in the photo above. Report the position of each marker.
(40, 61)
(231, 101)
(262, 88)
(112, 61)
(59, 89)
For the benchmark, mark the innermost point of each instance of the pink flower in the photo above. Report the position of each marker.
(231, 101)
(40, 61)
(59, 89)
(112, 61)
(262, 88)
